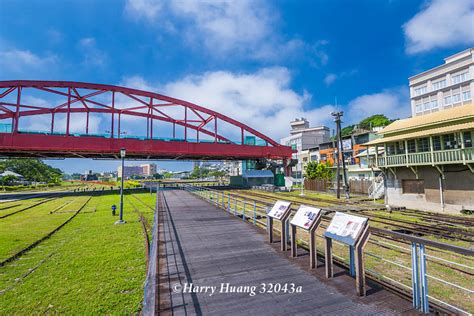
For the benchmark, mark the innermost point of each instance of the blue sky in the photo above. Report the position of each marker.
(261, 62)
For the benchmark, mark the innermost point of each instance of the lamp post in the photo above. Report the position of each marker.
(122, 155)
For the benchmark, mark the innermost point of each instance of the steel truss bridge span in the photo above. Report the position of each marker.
(56, 106)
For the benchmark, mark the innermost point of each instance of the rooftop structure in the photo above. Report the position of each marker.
(302, 137)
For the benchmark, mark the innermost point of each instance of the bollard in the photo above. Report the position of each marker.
(243, 211)
(424, 281)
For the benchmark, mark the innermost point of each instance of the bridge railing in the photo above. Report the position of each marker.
(7, 128)
(431, 273)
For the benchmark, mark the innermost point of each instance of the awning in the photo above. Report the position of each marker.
(371, 152)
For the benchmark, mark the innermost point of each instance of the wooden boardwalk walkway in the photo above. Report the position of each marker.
(205, 246)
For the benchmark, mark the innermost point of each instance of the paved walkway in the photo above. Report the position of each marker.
(208, 247)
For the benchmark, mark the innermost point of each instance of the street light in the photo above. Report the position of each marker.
(122, 155)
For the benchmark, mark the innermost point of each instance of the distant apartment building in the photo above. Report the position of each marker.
(353, 151)
(445, 86)
(148, 169)
(302, 138)
(145, 170)
(129, 171)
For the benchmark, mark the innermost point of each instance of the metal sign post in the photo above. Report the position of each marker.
(354, 232)
(280, 211)
(309, 219)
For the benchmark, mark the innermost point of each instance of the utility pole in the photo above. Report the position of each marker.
(337, 118)
(336, 158)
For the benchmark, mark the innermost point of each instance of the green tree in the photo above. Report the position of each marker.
(167, 175)
(319, 171)
(32, 170)
(7, 180)
(346, 131)
(376, 120)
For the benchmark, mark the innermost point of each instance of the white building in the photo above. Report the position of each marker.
(149, 169)
(302, 137)
(445, 86)
(129, 171)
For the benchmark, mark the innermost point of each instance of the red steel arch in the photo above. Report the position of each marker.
(102, 99)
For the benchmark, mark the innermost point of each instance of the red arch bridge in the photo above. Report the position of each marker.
(74, 119)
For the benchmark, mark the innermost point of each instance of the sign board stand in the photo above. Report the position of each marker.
(281, 212)
(284, 224)
(313, 221)
(356, 238)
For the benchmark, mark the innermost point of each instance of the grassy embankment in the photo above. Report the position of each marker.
(90, 266)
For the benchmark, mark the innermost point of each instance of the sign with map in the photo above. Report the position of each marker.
(345, 228)
(305, 216)
(279, 209)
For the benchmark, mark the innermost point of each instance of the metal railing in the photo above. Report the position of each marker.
(459, 155)
(151, 289)
(398, 261)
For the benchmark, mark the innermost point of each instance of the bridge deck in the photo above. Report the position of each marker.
(205, 246)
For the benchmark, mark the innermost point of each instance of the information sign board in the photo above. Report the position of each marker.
(345, 228)
(305, 216)
(279, 209)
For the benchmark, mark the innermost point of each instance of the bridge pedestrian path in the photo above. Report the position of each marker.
(203, 245)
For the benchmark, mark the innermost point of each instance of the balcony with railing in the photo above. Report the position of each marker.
(438, 157)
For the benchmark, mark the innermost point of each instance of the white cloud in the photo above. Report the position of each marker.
(329, 79)
(143, 8)
(93, 56)
(393, 103)
(440, 24)
(263, 99)
(240, 28)
(225, 25)
(22, 61)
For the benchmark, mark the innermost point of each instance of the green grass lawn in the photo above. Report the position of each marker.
(90, 266)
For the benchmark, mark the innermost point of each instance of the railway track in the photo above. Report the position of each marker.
(45, 237)
(441, 227)
(45, 200)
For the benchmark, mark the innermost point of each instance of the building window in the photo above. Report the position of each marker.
(420, 91)
(456, 98)
(439, 84)
(426, 106)
(419, 108)
(449, 141)
(423, 144)
(400, 148)
(436, 143)
(467, 139)
(411, 144)
(447, 100)
(324, 157)
(434, 104)
(390, 149)
(413, 186)
(466, 95)
(460, 77)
